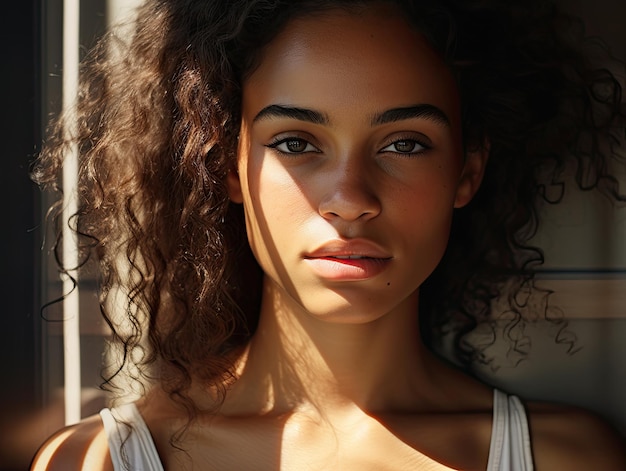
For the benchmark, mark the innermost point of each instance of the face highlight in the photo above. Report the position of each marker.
(350, 163)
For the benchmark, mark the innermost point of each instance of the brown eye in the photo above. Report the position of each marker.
(293, 145)
(296, 145)
(405, 146)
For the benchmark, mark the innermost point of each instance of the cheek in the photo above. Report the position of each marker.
(281, 198)
(426, 215)
(428, 195)
(275, 206)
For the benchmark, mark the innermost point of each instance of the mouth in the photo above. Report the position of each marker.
(353, 249)
(353, 260)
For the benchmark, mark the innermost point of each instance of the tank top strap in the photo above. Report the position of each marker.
(130, 444)
(510, 448)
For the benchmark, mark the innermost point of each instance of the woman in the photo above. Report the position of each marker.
(381, 158)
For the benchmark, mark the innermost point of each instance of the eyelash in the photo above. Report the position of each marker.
(415, 143)
(285, 140)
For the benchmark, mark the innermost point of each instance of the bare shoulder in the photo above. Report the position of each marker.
(78, 447)
(571, 438)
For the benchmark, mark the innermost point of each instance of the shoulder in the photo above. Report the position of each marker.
(78, 447)
(565, 437)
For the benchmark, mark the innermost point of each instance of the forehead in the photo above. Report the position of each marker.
(351, 60)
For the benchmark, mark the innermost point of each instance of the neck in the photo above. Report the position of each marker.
(302, 361)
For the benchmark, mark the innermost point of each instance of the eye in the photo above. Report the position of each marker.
(405, 146)
(293, 145)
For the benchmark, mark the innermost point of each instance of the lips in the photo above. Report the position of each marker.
(353, 260)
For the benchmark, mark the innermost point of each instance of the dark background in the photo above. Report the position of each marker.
(20, 391)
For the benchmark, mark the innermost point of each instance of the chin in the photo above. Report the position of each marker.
(342, 311)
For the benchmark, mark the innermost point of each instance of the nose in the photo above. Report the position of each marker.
(349, 197)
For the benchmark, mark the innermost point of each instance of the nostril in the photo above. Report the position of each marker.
(350, 197)
(350, 209)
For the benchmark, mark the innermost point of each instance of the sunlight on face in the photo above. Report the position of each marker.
(350, 163)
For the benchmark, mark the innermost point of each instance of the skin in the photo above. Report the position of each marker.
(336, 376)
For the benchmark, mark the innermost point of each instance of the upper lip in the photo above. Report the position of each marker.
(346, 248)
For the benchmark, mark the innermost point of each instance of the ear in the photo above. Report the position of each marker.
(472, 175)
(234, 186)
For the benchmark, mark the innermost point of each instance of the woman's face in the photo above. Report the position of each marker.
(350, 163)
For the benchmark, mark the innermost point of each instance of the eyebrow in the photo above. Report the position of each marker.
(423, 111)
(301, 114)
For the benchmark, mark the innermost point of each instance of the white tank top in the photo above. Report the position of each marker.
(510, 448)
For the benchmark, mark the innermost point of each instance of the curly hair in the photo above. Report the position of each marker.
(157, 121)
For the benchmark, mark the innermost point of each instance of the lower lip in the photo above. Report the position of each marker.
(354, 269)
